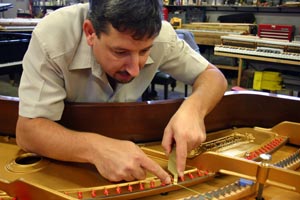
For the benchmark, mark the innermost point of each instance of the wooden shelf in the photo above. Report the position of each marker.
(48, 7)
(228, 67)
(243, 8)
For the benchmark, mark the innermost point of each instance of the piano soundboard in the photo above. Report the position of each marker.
(235, 153)
(261, 47)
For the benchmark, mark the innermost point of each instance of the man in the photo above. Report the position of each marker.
(109, 51)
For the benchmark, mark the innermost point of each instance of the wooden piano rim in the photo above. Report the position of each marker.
(145, 121)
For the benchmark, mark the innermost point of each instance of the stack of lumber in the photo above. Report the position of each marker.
(206, 33)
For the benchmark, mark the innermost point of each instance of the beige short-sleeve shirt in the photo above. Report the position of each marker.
(59, 66)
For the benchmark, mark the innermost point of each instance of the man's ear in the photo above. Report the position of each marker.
(89, 32)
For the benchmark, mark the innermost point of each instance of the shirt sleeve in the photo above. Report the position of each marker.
(41, 89)
(180, 60)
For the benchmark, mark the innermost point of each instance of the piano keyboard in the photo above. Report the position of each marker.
(267, 52)
(257, 40)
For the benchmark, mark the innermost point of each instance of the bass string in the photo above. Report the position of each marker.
(191, 190)
(194, 191)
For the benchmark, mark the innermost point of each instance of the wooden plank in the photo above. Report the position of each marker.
(229, 27)
(227, 67)
(210, 33)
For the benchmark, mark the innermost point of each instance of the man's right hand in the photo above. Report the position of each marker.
(118, 160)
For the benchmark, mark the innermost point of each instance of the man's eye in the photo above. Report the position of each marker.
(120, 52)
(144, 51)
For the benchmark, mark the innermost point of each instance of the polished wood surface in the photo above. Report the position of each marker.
(139, 122)
(145, 121)
(8, 115)
(246, 108)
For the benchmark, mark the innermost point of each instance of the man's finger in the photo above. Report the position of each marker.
(139, 173)
(181, 154)
(167, 142)
(156, 169)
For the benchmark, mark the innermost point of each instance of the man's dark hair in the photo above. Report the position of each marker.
(140, 17)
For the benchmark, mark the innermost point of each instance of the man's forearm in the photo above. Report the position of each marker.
(124, 158)
(47, 138)
(208, 89)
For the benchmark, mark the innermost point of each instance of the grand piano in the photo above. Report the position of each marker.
(244, 129)
(12, 49)
(15, 35)
(5, 6)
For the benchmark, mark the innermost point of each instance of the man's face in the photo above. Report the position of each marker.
(119, 55)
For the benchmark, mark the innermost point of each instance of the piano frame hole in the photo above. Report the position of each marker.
(28, 159)
(27, 163)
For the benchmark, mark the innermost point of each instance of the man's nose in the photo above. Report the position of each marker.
(133, 67)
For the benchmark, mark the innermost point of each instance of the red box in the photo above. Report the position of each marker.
(282, 32)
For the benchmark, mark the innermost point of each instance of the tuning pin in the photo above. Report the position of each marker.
(93, 193)
(142, 186)
(130, 188)
(79, 195)
(152, 184)
(118, 190)
(105, 192)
